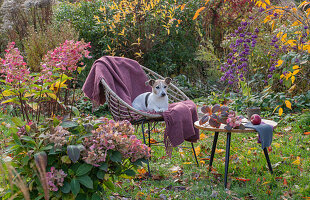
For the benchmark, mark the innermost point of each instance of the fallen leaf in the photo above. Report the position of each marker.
(297, 161)
(203, 136)
(242, 179)
(277, 145)
(258, 180)
(153, 141)
(284, 182)
(187, 163)
(197, 150)
(219, 150)
(175, 169)
(214, 194)
(306, 133)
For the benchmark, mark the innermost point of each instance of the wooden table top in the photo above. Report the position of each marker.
(207, 127)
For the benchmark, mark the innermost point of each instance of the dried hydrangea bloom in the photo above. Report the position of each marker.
(59, 136)
(55, 179)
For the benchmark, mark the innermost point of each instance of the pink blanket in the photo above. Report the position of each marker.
(179, 119)
(127, 79)
(124, 76)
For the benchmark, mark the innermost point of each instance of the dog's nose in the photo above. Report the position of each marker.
(163, 94)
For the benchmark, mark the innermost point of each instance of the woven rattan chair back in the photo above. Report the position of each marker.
(121, 110)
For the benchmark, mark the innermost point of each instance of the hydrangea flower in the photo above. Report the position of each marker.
(55, 179)
(116, 136)
(12, 67)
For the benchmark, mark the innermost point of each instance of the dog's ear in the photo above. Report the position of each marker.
(168, 80)
(150, 82)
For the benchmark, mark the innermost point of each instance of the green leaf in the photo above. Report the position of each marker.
(103, 166)
(130, 172)
(81, 196)
(86, 181)
(66, 188)
(75, 186)
(18, 122)
(13, 100)
(28, 139)
(73, 152)
(16, 139)
(95, 196)
(25, 160)
(83, 169)
(69, 124)
(65, 159)
(116, 156)
(39, 197)
(100, 174)
(109, 184)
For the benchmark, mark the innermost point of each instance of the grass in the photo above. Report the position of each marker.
(249, 178)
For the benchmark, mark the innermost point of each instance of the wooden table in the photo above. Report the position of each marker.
(207, 127)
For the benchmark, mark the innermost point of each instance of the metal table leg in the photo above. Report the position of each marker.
(268, 160)
(216, 134)
(227, 158)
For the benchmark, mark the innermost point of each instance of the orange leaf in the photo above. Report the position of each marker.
(141, 171)
(258, 180)
(306, 133)
(197, 12)
(284, 182)
(153, 141)
(243, 179)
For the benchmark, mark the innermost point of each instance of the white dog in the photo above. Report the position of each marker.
(157, 100)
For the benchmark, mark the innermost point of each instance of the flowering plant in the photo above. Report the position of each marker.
(76, 158)
(36, 94)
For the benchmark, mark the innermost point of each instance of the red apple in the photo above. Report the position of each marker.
(256, 119)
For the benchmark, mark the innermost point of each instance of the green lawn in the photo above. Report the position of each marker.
(180, 178)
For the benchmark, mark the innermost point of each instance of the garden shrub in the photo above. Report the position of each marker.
(39, 42)
(73, 159)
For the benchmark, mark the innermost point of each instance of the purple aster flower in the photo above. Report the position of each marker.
(247, 40)
(281, 81)
(250, 17)
(240, 28)
(254, 36)
(269, 76)
(235, 50)
(230, 82)
(306, 27)
(241, 76)
(242, 35)
(276, 46)
(275, 14)
(230, 54)
(256, 30)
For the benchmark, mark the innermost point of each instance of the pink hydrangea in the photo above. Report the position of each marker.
(65, 57)
(13, 67)
(116, 136)
(55, 179)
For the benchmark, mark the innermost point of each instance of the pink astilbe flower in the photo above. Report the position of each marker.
(113, 135)
(66, 56)
(55, 179)
(13, 67)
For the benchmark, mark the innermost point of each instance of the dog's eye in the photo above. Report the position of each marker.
(157, 87)
(165, 86)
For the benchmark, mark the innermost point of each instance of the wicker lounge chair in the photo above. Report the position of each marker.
(123, 111)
